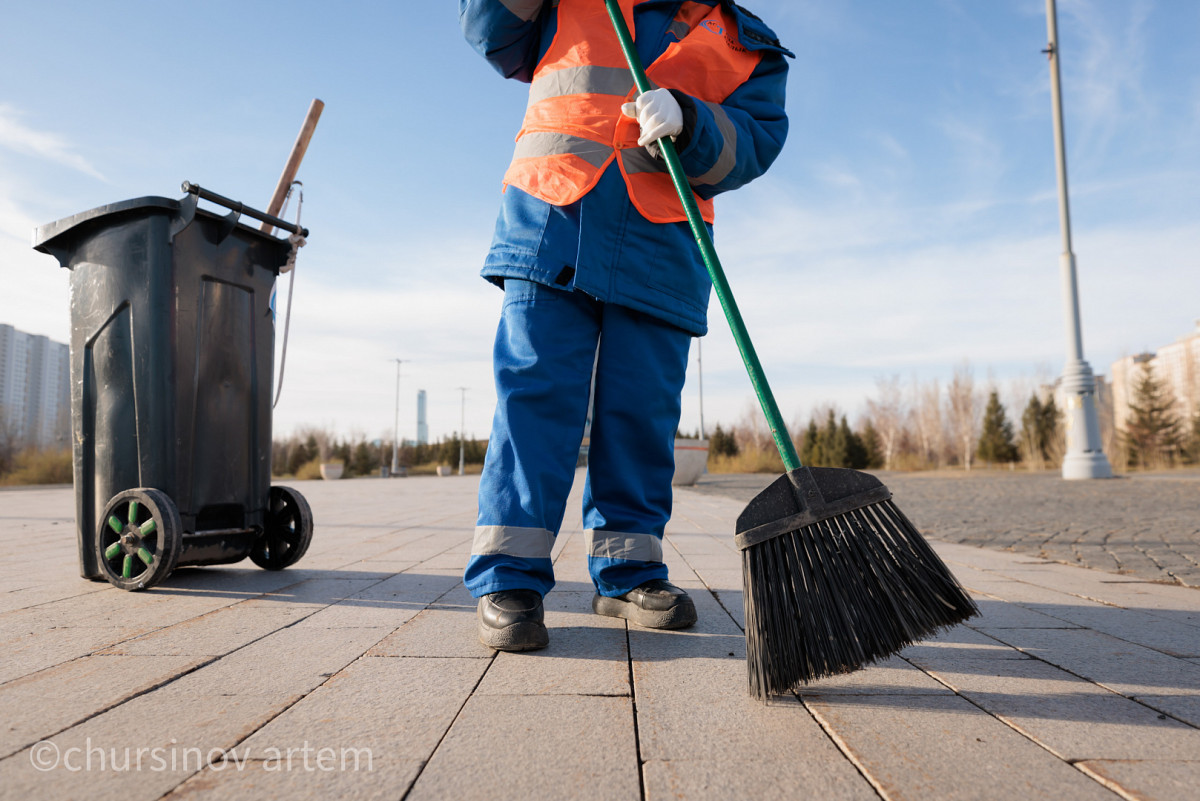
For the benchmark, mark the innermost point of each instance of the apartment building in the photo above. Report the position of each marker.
(35, 389)
(1177, 365)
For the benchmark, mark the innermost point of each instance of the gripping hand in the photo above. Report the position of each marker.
(658, 113)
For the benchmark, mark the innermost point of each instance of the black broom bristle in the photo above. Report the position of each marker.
(841, 592)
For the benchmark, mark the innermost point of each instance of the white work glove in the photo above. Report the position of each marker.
(658, 113)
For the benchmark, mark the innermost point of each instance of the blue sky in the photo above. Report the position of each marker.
(910, 223)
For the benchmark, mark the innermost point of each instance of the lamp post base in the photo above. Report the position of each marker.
(1084, 458)
(1086, 465)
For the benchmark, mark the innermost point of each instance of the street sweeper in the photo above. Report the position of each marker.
(603, 284)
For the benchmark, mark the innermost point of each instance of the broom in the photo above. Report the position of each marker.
(835, 576)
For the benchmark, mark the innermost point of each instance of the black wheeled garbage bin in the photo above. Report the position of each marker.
(172, 348)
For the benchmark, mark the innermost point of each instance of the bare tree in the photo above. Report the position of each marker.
(887, 415)
(927, 420)
(751, 431)
(962, 411)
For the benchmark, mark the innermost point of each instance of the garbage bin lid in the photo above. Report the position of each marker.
(43, 234)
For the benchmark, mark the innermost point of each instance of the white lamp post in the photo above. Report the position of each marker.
(1084, 458)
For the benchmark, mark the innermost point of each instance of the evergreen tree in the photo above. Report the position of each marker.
(448, 451)
(298, 456)
(1152, 431)
(723, 443)
(996, 442)
(832, 447)
(856, 452)
(1031, 431)
(810, 448)
(362, 463)
(1048, 434)
(873, 446)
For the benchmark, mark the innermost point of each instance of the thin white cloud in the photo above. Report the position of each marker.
(1104, 67)
(18, 137)
(976, 149)
(890, 145)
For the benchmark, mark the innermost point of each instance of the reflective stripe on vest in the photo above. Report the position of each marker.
(574, 128)
(617, 545)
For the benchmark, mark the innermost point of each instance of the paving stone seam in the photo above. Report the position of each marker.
(1067, 670)
(637, 740)
(216, 658)
(300, 698)
(408, 790)
(1107, 782)
(714, 593)
(1072, 625)
(90, 591)
(108, 708)
(231, 749)
(156, 687)
(1000, 575)
(101, 651)
(1010, 724)
(127, 640)
(843, 748)
(431, 535)
(838, 743)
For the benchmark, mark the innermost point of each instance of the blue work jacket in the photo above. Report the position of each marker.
(601, 244)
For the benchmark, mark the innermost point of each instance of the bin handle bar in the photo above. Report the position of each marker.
(241, 208)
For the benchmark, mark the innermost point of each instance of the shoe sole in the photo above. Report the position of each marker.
(679, 616)
(517, 637)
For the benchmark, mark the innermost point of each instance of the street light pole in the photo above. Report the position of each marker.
(1085, 457)
(700, 377)
(396, 428)
(462, 438)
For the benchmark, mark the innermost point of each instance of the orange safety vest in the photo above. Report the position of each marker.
(574, 127)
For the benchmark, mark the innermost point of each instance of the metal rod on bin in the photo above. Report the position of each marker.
(241, 208)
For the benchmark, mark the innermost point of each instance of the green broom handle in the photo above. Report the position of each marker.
(787, 451)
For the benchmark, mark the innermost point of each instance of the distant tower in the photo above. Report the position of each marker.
(422, 426)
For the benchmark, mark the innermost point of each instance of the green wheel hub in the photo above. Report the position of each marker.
(139, 541)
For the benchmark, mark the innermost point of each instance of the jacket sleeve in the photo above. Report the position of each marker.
(505, 32)
(726, 145)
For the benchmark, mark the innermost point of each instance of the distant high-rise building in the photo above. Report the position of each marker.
(1176, 365)
(35, 389)
(422, 426)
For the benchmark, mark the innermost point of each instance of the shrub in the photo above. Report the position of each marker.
(309, 470)
(40, 467)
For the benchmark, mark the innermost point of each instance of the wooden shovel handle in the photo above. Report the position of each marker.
(293, 163)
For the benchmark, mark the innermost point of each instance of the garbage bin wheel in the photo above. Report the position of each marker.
(288, 531)
(139, 539)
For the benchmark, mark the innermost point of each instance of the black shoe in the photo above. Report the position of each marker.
(656, 604)
(511, 620)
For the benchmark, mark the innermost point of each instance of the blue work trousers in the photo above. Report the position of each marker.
(547, 343)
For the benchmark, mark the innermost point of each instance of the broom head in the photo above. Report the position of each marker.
(835, 578)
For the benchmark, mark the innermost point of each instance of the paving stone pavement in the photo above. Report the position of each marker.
(356, 674)
(1142, 524)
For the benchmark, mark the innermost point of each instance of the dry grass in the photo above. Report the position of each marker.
(747, 461)
(40, 467)
(309, 470)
